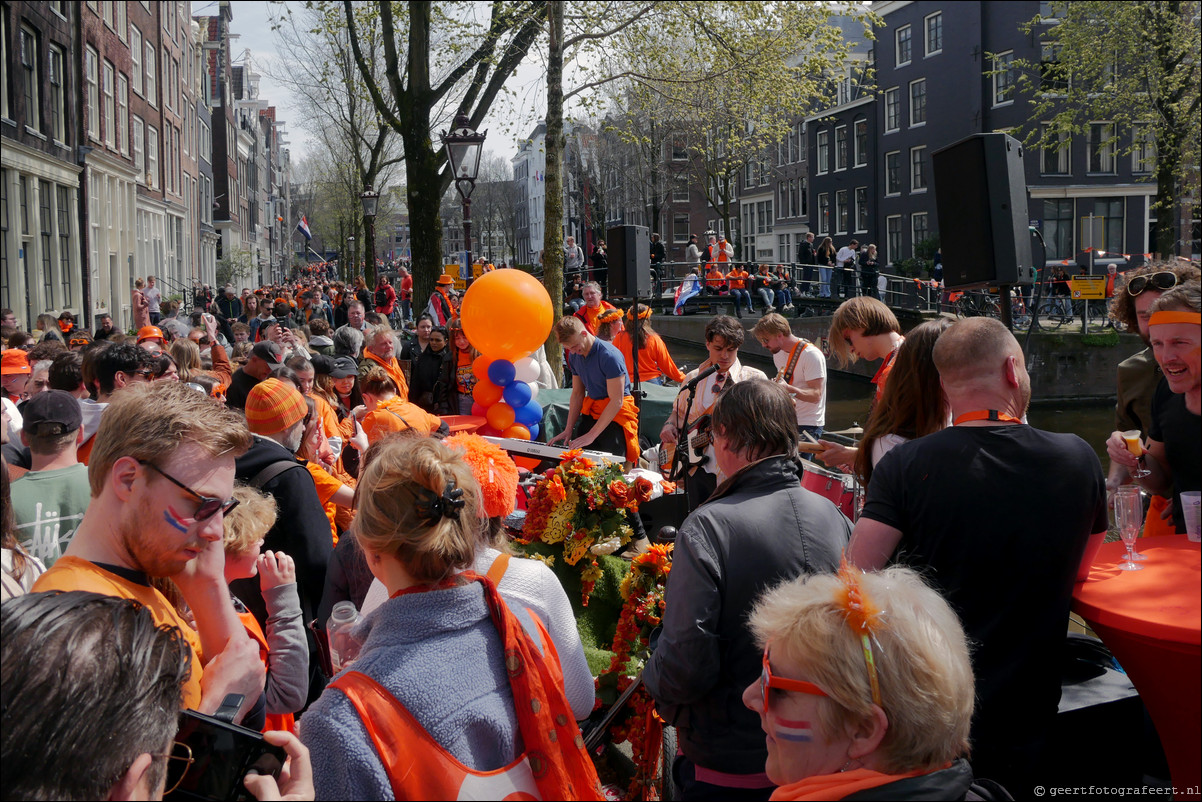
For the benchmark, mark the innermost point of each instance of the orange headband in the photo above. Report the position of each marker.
(609, 315)
(1173, 316)
(643, 315)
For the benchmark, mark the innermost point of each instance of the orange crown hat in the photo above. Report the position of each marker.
(494, 470)
(609, 315)
(150, 333)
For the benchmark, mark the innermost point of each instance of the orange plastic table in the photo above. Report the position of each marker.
(464, 423)
(1151, 621)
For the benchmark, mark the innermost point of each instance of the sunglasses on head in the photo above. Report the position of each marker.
(1164, 280)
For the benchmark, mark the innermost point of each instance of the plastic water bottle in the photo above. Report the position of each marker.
(344, 646)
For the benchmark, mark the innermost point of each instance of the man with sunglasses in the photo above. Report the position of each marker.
(113, 368)
(1139, 375)
(759, 528)
(161, 476)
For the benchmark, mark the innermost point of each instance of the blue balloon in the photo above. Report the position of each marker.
(517, 394)
(501, 372)
(530, 414)
(534, 430)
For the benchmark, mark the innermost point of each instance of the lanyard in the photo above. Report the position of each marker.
(985, 414)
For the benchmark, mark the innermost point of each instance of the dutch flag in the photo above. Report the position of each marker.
(303, 228)
(790, 730)
(687, 289)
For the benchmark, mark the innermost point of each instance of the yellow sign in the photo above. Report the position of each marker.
(1088, 288)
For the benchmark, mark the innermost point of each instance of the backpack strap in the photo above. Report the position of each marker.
(272, 471)
(497, 569)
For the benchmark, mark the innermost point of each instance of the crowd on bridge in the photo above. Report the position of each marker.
(185, 504)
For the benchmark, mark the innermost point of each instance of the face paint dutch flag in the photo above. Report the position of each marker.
(790, 730)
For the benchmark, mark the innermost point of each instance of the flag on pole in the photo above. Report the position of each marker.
(688, 288)
(303, 228)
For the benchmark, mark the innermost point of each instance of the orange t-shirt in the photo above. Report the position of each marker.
(589, 316)
(736, 278)
(654, 358)
(327, 486)
(72, 573)
(396, 415)
(715, 278)
(393, 368)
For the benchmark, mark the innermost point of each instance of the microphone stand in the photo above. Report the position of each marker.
(676, 472)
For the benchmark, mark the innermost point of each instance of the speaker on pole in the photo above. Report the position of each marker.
(981, 198)
(629, 261)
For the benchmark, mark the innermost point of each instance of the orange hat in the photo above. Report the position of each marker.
(150, 333)
(445, 279)
(609, 315)
(494, 470)
(273, 406)
(13, 361)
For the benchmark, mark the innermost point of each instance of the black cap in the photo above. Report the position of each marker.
(51, 413)
(322, 364)
(344, 366)
(269, 352)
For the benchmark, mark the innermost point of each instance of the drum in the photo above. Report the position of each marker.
(838, 487)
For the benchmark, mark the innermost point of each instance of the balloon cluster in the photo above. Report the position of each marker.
(506, 315)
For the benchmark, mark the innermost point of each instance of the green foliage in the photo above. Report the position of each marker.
(1134, 64)
(1105, 339)
(238, 268)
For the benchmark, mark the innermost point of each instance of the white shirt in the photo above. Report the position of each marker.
(811, 364)
(844, 255)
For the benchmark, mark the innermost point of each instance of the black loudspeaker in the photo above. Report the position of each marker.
(981, 197)
(629, 261)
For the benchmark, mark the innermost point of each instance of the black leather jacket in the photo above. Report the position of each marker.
(758, 529)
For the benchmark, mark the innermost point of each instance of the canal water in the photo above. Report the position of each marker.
(848, 397)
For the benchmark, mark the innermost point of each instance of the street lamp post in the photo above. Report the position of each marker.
(464, 146)
(370, 200)
(350, 245)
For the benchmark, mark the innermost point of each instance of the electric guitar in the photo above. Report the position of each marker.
(698, 439)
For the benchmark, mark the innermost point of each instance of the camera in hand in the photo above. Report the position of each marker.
(222, 754)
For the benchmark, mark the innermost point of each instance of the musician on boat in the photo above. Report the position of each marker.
(601, 413)
(801, 370)
(723, 338)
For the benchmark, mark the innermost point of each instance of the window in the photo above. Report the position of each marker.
(680, 229)
(680, 152)
(902, 38)
(46, 223)
(805, 198)
(106, 12)
(31, 78)
(167, 93)
(1058, 228)
(861, 127)
(918, 228)
(841, 147)
(824, 213)
(893, 173)
(1003, 78)
(151, 77)
(892, 109)
(861, 209)
(152, 157)
(139, 149)
(893, 238)
(119, 20)
(1056, 155)
(918, 169)
(110, 114)
(934, 33)
(1053, 76)
(1104, 229)
(1143, 155)
(64, 242)
(841, 211)
(92, 77)
(824, 152)
(58, 94)
(4, 111)
(1100, 148)
(123, 114)
(918, 102)
(135, 57)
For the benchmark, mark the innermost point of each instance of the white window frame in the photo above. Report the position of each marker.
(91, 72)
(824, 219)
(1143, 150)
(916, 123)
(30, 65)
(123, 114)
(108, 100)
(896, 154)
(842, 212)
(861, 224)
(890, 256)
(152, 79)
(1107, 156)
(914, 217)
(822, 151)
(893, 97)
(861, 152)
(897, 40)
(919, 151)
(1063, 155)
(139, 148)
(135, 58)
(1003, 80)
(926, 34)
(841, 161)
(56, 79)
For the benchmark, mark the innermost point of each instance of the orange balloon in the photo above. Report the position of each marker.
(480, 367)
(506, 314)
(517, 432)
(500, 416)
(485, 393)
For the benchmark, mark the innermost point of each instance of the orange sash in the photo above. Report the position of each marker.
(275, 721)
(555, 764)
(627, 418)
(394, 372)
(838, 786)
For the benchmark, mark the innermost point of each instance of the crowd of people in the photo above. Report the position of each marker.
(196, 496)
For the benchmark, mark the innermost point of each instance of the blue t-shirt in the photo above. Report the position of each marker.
(603, 362)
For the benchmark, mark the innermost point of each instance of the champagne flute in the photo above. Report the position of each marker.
(1128, 514)
(1136, 446)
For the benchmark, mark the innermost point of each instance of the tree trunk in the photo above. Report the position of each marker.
(553, 233)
